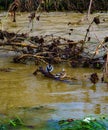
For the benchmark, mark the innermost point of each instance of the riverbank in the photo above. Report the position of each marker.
(88, 123)
(63, 5)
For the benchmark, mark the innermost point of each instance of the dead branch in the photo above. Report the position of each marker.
(18, 44)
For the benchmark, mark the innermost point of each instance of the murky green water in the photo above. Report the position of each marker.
(38, 99)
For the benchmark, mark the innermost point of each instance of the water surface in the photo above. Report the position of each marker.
(37, 99)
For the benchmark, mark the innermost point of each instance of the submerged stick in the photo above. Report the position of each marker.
(88, 29)
(18, 44)
(101, 43)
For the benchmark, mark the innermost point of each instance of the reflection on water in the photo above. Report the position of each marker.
(37, 99)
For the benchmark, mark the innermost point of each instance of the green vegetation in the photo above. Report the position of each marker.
(4, 4)
(84, 124)
(76, 5)
(11, 124)
(88, 123)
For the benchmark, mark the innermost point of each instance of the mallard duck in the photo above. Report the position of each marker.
(94, 78)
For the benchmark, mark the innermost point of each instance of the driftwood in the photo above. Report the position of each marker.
(100, 45)
(95, 20)
(43, 49)
(17, 44)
